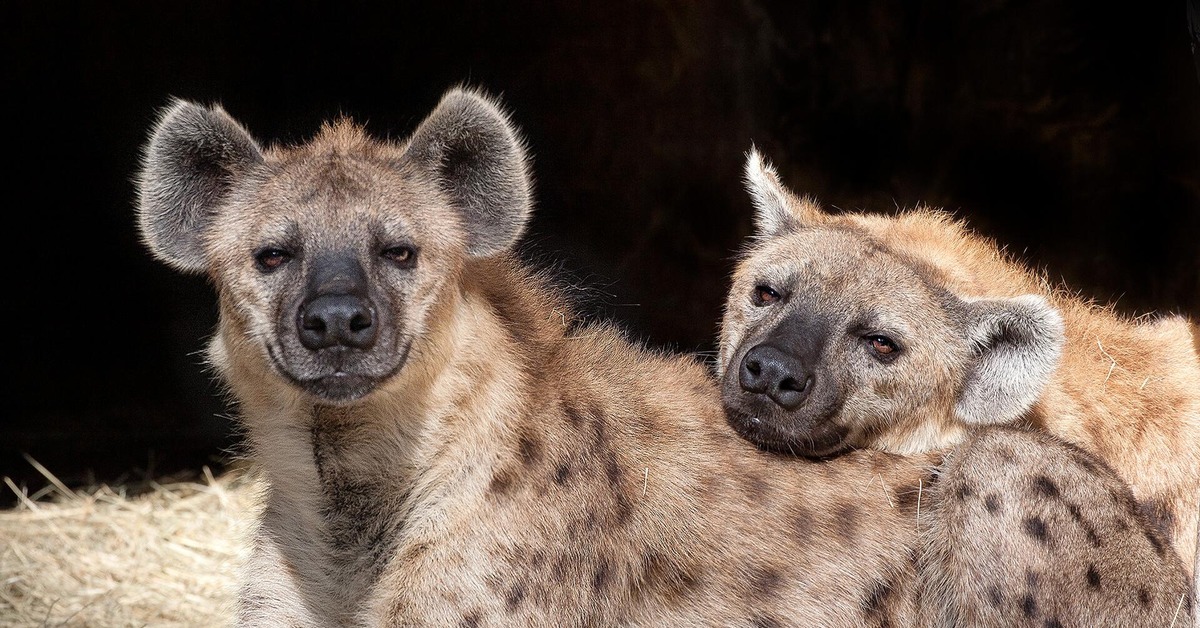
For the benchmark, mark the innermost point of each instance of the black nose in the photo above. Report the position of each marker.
(337, 319)
(777, 374)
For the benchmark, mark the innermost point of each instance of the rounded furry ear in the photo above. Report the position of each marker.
(776, 209)
(188, 166)
(478, 159)
(1017, 344)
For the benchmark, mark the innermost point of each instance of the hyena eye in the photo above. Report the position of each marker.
(269, 259)
(884, 347)
(402, 256)
(765, 295)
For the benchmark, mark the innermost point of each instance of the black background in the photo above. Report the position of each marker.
(1068, 131)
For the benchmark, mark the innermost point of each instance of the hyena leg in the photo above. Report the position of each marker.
(1025, 530)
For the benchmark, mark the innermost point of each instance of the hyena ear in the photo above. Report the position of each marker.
(1017, 344)
(477, 157)
(776, 209)
(188, 167)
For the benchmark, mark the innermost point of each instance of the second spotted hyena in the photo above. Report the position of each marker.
(445, 446)
(903, 332)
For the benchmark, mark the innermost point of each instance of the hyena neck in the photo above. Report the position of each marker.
(922, 436)
(1115, 371)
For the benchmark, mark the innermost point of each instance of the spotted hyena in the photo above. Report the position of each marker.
(445, 444)
(904, 332)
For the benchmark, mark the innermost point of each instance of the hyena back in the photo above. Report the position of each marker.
(444, 446)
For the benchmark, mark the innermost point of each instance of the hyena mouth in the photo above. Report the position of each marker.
(340, 387)
(823, 441)
(339, 379)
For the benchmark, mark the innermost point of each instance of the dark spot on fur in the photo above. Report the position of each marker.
(599, 433)
(501, 483)
(624, 508)
(529, 449)
(574, 416)
(1093, 577)
(802, 524)
(765, 621)
(992, 503)
(559, 570)
(1156, 543)
(755, 486)
(846, 520)
(562, 473)
(516, 595)
(601, 575)
(1158, 513)
(1031, 579)
(907, 500)
(612, 470)
(1084, 460)
(995, 596)
(675, 581)
(963, 491)
(1088, 529)
(470, 620)
(764, 582)
(1045, 486)
(1035, 527)
(1144, 598)
(1125, 501)
(876, 599)
(1053, 623)
(1029, 605)
(1005, 454)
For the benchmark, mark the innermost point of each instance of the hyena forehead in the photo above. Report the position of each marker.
(843, 265)
(343, 189)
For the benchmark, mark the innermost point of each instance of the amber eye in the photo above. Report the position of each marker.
(883, 345)
(269, 259)
(401, 255)
(765, 295)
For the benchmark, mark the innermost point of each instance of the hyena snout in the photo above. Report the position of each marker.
(781, 376)
(337, 320)
(337, 310)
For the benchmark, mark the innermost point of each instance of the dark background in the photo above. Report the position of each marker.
(1068, 131)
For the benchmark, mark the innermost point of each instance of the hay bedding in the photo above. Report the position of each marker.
(167, 556)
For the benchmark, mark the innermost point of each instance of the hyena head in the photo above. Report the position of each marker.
(840, 333)
(331, 257)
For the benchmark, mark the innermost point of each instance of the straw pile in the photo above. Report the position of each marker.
(100, 557)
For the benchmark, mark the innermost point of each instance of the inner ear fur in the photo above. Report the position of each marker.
(188, 166)
(477, 157)
(776, 209)
(1017, 343)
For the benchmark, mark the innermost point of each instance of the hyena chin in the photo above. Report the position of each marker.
(903, 332)
(444, 446)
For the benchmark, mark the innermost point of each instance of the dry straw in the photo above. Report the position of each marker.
(99, 557)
